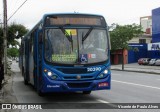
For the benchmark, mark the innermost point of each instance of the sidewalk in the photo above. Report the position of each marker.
(134, 67)
(6, 93)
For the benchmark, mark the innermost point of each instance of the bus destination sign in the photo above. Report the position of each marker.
(75, 20)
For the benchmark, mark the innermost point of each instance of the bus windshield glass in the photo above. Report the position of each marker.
(76, 46)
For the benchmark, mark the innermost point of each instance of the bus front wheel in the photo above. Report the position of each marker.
(40, 93)
(86, 92)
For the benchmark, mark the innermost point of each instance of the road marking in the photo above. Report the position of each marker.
(102, 101)
(116, 74)
(108, 103)
(158, 79)
(136, 84)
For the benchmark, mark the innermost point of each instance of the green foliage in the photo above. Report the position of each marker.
(120, 35)
(15, 31)
(12, 52)
(11, 35)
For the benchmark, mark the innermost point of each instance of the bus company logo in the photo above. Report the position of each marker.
(6, 106)
(78, 77)
(53, 86)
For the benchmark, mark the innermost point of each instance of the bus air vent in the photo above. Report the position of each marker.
(74, 70)
(75, 78)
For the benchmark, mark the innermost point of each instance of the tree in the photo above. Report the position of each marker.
(13, 52)
(15, 31)
(120, 36)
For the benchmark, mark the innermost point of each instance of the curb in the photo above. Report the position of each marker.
(152, 73)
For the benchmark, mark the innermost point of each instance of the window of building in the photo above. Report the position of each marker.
(142, 40)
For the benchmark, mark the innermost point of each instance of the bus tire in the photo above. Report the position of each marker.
(40, 93)
(86, 92)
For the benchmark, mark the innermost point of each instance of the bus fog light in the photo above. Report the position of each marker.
(105, 71)
(49, 74)
(54, 77)
(101, 75)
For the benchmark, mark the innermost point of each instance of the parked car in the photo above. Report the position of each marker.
(140, 61)
(152, 61)
(146, 61)
(157, 62)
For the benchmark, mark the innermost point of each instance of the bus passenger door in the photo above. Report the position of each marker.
(31, 59)
(36, 59)
(39, 61)
(25, 66)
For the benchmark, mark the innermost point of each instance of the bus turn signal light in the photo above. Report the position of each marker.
(45, 70)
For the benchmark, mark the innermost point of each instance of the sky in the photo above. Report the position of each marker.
(115, 11)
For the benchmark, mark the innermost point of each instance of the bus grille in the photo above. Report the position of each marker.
(73, 70)
(79, 85)
(75, 78)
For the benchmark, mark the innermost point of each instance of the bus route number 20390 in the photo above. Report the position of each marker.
(93, 69)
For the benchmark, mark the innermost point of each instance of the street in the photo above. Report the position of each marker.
(127, 87)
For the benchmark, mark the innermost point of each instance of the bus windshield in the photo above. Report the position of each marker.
(76, 46)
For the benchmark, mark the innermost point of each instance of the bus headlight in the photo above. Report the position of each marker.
(50, 74)
(105, 71)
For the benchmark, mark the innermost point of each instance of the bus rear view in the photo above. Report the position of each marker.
(73, 54)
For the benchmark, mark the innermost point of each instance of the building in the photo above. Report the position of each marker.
(149, 42)
(146, 45)
(146, 37)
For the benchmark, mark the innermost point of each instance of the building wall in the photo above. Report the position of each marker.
(137, 39)
(116, 57)
(151, 50)
(156, 25)
(134, 55)
(154, 50)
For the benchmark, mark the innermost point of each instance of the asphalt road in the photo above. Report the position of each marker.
(127, 87)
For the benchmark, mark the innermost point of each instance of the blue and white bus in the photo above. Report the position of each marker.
(67, 53)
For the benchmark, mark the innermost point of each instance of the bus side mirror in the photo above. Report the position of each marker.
(40, 38)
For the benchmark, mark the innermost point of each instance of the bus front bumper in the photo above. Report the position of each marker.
(73, 86)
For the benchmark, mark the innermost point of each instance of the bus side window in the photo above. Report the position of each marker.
(40, 38)
(31, 42)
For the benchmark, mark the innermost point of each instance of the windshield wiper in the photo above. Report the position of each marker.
(69, 37)
(87, 34)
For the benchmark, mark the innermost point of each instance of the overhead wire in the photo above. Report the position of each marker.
(17, 10)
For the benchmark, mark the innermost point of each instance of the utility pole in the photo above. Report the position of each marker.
(5, 34)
